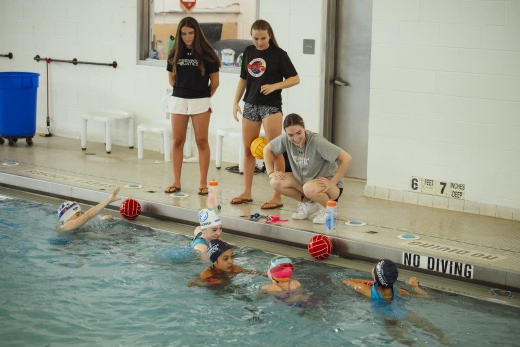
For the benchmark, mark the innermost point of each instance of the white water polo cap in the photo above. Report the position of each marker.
(67, 210)
(208, 218)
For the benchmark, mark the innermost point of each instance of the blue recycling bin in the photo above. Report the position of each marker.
(18, 92)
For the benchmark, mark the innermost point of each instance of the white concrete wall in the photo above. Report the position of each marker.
(445, 102)
(445, 97)
(106, 31)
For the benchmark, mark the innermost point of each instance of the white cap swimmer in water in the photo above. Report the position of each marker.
(67, 210)
(208, 218)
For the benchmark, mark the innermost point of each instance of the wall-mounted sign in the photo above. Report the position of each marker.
(188, 5)
(436, 187)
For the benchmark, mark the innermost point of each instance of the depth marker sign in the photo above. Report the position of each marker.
(448, 267)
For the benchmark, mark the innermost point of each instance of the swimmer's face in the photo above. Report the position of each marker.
(212, 233)
(225, 261)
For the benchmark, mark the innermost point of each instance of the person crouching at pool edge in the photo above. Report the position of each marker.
(210, 229)
(223, 268)
(72, 217)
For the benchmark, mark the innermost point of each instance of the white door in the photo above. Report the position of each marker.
(351, 80)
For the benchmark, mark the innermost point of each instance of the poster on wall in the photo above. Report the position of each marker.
(188, 5)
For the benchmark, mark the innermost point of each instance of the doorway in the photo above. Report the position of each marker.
(351, 81)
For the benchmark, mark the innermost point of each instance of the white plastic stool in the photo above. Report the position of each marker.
(163, 127)
(234, 133)
(108, 117)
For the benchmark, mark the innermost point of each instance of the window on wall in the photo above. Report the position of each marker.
(225, 23)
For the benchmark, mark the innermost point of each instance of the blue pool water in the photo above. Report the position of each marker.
(104, 286)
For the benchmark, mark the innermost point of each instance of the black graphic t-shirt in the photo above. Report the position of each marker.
(270, 66)
(189, 84)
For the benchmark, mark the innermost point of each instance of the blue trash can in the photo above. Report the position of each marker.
(18, 91)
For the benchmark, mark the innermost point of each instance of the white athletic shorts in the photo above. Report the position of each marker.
(188, 106)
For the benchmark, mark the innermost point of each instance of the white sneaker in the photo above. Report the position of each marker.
(320, 217)
(305, 209)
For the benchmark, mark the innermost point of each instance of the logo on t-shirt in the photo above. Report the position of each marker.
(256, 67)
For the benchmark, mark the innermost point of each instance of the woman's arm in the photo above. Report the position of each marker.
(241, 87)
(286, 83)
(171, 78)
(214, 81)
(344, 162)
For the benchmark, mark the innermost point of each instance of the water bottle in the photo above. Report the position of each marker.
(331, 212)
(171, 43)
(213, 195)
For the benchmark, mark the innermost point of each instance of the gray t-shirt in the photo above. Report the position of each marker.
(316, 159)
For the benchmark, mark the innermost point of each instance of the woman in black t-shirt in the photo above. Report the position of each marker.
(193, 71)
(266, 70)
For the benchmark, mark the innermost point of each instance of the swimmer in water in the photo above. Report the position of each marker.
(72, 217)
(210, 229)
(223, 268)
(285, 289)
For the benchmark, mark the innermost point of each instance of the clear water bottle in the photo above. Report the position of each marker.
(331, 212)
(213, 195)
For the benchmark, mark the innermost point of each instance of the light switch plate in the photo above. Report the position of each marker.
(308, 46)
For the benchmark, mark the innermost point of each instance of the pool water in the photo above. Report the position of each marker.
(104, 286)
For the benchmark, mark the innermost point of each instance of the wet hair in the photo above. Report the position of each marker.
(261, 24)
(293, 119)
(201, 49)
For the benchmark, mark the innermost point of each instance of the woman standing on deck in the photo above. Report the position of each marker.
(193, 71)
(265, 71)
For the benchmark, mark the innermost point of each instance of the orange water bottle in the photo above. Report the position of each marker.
(331, 212)
(213, 194)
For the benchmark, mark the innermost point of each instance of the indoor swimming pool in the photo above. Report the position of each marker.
(105, 286)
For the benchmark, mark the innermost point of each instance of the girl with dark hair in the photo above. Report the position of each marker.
(317, 166)
(193, 72)
(265, 71)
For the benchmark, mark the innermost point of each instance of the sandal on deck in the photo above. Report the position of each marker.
(237, 201)
(172, 189)
(203, 191)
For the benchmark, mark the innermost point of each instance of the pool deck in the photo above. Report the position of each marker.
(462, 248)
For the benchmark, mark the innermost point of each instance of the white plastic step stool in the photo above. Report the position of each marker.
(108, 116)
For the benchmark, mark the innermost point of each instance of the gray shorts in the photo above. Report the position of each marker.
(256, 113)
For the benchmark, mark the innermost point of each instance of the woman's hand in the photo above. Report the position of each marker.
(277, 175)
(324, 183)
(236, 109)
(267, 89)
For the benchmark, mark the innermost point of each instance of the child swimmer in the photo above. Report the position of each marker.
(210, 229)
(72, 217)
(285, 289)
(223, 268)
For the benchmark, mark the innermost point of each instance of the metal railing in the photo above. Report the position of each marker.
(75, 61)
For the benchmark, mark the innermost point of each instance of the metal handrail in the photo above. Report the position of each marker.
(10, 55)
(75, 61)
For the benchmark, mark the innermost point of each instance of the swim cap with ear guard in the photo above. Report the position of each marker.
(216, 248)
(67, 210)
(386, 273)
(208, 218)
